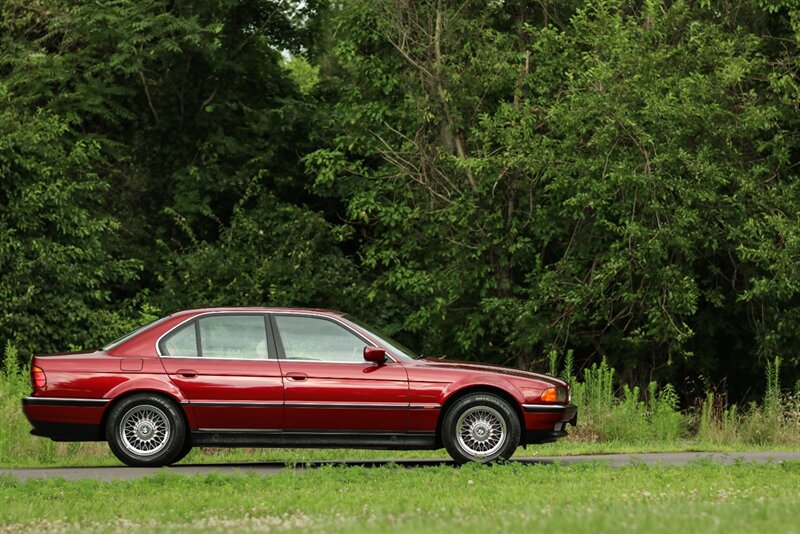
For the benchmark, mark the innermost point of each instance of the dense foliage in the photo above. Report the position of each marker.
(490, 180)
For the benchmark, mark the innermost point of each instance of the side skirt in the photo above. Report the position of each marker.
(314, 439)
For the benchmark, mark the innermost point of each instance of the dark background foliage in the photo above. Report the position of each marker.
(489, 180)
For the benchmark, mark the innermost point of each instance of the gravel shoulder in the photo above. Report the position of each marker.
(109, 473)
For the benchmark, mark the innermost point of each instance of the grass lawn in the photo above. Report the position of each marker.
(701, 497)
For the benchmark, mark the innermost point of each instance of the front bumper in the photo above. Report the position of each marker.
(563, 412)
(547, 422)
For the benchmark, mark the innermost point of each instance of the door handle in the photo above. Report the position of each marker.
(297, 376)
(186, 373)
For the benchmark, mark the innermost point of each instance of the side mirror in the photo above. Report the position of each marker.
(376, 355)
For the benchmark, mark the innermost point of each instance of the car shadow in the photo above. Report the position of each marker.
(318, 464)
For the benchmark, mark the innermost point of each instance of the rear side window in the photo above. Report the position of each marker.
(181, 342)
(233, 336)
(220, 336)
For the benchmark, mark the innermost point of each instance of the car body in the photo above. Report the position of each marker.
(280, 377)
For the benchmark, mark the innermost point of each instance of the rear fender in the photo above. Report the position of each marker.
(152, 385)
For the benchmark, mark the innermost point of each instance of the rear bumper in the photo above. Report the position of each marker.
(67, 431)
(65, 419)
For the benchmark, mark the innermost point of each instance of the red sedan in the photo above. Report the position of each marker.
(273, 377)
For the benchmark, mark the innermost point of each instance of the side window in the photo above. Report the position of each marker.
(308, 338)
(233, 336)
(181, 342)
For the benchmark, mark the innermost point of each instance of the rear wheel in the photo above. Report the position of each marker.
(480, 427)
(145, 430)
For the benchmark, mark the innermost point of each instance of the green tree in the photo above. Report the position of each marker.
(56, 273)
(538, 175)
(134, 136)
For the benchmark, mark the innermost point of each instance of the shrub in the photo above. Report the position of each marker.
(633, 418)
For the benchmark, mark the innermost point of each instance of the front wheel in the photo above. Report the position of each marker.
(145, 430)
(480, 427)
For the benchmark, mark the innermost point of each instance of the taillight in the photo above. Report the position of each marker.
(38, 378)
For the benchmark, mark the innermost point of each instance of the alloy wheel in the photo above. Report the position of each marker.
(144, 430)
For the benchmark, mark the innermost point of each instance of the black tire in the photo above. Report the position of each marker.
(491, 429)
(186, 449)
(155, 430)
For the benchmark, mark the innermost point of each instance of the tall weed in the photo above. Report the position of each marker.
(775, 421)
(597, 389)
(665, 420)
(632, 417)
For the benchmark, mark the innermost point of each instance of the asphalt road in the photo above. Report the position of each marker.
(272, 468)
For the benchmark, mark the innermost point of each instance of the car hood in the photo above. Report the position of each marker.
(482, 367)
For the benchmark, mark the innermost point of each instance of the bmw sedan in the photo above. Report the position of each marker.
(277, 377)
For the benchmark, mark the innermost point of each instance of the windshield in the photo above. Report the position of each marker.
(129, 335)
(394, 346)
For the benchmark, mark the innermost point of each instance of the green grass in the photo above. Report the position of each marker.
(700, 497)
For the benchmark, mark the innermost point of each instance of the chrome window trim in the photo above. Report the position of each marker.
(314, 314)
(223, 359)
(390, 360)
(198, 316)
(275, 360)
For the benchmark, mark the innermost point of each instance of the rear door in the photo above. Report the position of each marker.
(329, 387)
(226, 365)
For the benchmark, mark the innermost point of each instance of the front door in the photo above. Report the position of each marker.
(329, 387)
(224, 366)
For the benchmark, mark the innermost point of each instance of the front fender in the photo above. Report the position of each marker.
(474, 382)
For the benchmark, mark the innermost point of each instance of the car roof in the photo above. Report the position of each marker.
(239, 309)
